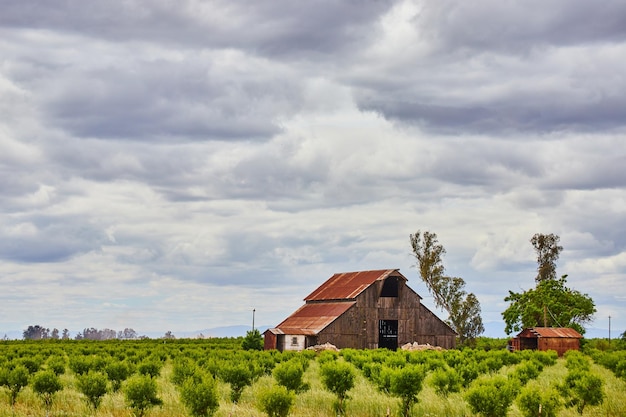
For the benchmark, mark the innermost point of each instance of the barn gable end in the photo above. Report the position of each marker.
(365, 309)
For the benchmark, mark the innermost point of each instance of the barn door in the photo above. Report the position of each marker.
(388, 334)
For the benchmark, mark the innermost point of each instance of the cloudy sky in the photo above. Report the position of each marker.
(171, 165)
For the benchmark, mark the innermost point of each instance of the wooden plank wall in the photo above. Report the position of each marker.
(358, 327)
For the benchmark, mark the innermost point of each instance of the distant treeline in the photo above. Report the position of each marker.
(38, 332)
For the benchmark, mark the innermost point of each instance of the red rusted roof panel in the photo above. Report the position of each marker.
(348, 285)
(310, 319)
(563, 332)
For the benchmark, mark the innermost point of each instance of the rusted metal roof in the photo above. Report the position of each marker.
(348, 285)
(562, 332)
(310, 319)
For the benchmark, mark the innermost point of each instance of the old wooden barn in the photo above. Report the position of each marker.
(559, 339)
(365, 309)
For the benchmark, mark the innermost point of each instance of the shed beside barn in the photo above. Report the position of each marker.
(363, 309)
(559, 339)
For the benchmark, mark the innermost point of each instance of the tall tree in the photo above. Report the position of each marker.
(465, 318)
(36, 333)
(429, 252)
(550, 304)
(548, 251)
(448, 292)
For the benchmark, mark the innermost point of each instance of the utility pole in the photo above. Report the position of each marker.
(253, 310)
(609, 331)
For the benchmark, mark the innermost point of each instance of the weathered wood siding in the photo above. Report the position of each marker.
(358, 327)
(560, 345)
(269, 340)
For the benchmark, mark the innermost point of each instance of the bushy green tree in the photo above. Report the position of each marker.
(576, 361)
(582, 388)
(57, 364)
(182, 369)
(289, 374)
(550, 303)
(151, 367)
(534, 401)
(93, 385)
(140, 392)
(468, 372)
(117, 372)
(199, 395)
(491, 397)
(46, 384)
(80, 364)
(32, 363)
(406, 383)
(276, 401)
(525, 371)
(446, 380)
(14, 379)
(238, 376)
(383, 379)
(338, 378)
(253, 340)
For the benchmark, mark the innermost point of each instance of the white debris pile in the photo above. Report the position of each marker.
(325, 346)
(416, 346)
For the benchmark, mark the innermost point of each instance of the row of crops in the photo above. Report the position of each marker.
(211, 377)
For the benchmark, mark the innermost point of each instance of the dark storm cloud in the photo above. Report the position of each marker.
(267, 27)
(163, 101)
(517, 27)
(506, 117)
(502, 68)
(47, 239)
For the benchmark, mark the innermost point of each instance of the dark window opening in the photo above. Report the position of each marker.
(388, 334)
(390, 287)
(529, 343)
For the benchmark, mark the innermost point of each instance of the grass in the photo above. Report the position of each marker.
(364, 399)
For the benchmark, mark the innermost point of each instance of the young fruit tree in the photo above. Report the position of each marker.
(338, 378)
(406, 383)
(534, 401)
(491, 397)
(140, 392)
(238, 376)
(93, 385)
(582, 388)
(200, 396)
(117, 372)
(276, 401)
(46, 384)
(289, 374)
(14, 379)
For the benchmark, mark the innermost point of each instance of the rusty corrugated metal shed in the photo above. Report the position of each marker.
(310, 319)
(557, 332)
(348, 285)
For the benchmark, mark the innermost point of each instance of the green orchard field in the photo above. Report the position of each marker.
(206, 377)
